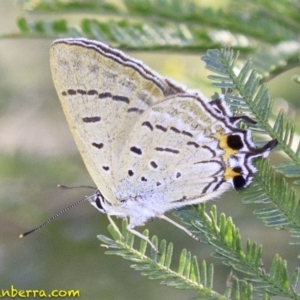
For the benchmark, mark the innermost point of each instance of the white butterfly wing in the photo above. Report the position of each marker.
(103, 92)
(183, 151)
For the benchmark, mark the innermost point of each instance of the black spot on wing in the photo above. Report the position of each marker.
(136, 150)
(186, 133)
(92, 92)
(148, 124)
(239, 182)
(237, 170)
(121, 98)
(71, 92)
(98, 145)
(130, 173)
(81, 92)
(167, 150)
(153, 164)
(160, 127)
(91, 119)
(105, 95)
(193, 144)
(175, 129)
(234, 142)
(135, 109)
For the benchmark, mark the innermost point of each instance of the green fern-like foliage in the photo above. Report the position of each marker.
(178, 26)
(220, 232)
(189, 275)
(268, 31)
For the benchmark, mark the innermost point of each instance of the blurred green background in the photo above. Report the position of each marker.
(37, 152)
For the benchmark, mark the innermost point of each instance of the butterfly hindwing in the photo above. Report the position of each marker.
(173, 151)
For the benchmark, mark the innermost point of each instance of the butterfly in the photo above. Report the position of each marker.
(150, 144)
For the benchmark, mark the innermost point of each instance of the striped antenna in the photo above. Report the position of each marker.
(54, 217)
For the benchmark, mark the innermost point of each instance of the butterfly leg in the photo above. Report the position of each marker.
(179, 226)
(141, 236)
(136, 233)
(114, 225)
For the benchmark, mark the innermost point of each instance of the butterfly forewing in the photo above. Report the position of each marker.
(103, 93)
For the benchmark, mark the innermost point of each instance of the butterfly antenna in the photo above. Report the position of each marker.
(53, 217)
(61, 186)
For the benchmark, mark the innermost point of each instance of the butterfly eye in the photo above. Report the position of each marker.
(98, 204)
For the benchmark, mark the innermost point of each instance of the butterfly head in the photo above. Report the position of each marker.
(98, 201)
